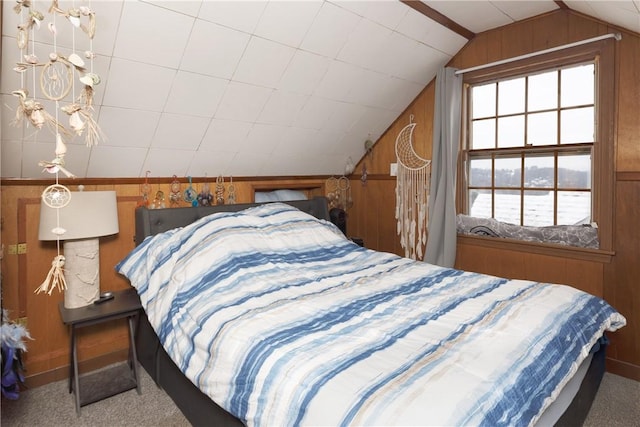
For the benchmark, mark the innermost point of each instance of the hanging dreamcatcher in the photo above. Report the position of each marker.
(231, 191)
(145, 191)
(220, 190)
(174, 196)
(338, 192)
(191, 195)
(412, 191)
(205, 198)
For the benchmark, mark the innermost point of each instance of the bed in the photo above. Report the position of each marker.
(266, 315)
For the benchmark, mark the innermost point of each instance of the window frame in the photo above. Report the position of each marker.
(602, 53)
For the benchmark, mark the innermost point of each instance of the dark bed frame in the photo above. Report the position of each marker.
(197, 407)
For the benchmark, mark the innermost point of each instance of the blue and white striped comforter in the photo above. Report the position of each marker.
(282, 321)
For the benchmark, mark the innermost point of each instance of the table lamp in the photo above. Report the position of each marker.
(88, 216)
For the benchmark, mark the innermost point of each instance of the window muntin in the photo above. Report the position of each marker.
(530, 147)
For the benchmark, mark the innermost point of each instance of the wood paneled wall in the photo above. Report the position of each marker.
(614, 278)
(47, 358)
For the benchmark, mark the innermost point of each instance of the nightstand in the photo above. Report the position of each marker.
(105, 383)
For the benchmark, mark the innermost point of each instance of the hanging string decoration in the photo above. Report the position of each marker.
(64, 78)
(145, 191)
(412, 191)
(175, 197)
(338, 192)
(231, 191)
(220, 190)
(205, 198)
(191, 195)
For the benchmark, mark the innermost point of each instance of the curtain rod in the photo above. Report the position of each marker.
(616, 36)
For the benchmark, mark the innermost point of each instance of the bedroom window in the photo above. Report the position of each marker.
(537, 148)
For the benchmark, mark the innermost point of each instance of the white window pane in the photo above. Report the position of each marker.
(483, 134)
(539, 171)
(480, 203)
(507, 171)
(574, 207)
(538, 208)
(507, 206)
(574, 171)
(577, 126)
(480, 172)
(543, 91)
(511, 131)
(542, 128)
(577, 86)
(511, 96)
(484, 101)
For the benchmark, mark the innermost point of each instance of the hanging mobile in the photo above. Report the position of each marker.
(205, 198)
(190, 195)
(220, 190)
(174, 197)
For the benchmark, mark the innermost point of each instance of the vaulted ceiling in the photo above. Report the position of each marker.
(251, 88)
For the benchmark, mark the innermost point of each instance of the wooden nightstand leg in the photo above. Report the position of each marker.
(133, 356)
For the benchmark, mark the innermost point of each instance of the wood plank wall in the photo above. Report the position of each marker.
(372, 216)
(47, 358)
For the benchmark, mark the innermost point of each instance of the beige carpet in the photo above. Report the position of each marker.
(617, 404)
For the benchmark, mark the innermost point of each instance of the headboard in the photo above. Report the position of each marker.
(154, 221)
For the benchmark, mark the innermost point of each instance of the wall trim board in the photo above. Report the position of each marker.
(62, 372)
(624, 369)
(628, 176)
(153, 180)
(538, 248)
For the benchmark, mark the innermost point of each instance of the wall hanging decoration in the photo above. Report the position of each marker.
(174, 195)
(338, 192)
(231, 191)
(64, 78)
(145, 191)
(205, 198)
(191, 195)
(412, 191)
(158, 202)
(220, 190)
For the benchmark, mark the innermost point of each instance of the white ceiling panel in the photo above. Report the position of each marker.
(282, 108)
(304, 72)
(243, 102)
(195, 94)
(214, 50)
(622, 13)
(179, 131)
(330, 30)
(225, 135)
(168, 159)
(258, 87)
(287, 22)
(170, 30)
(476, 16)
(136, 85)
(128, 128)
(113, 162)
(263, 63)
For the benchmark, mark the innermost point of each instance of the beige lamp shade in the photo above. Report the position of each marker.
(88, 214)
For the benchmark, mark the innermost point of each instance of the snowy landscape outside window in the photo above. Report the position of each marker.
(530, 148)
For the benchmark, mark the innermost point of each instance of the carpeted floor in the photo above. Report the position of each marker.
(617, 404)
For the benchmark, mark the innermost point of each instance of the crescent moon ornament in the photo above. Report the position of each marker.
(412, 191)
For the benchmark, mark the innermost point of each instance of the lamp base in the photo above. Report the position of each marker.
(81, 272)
